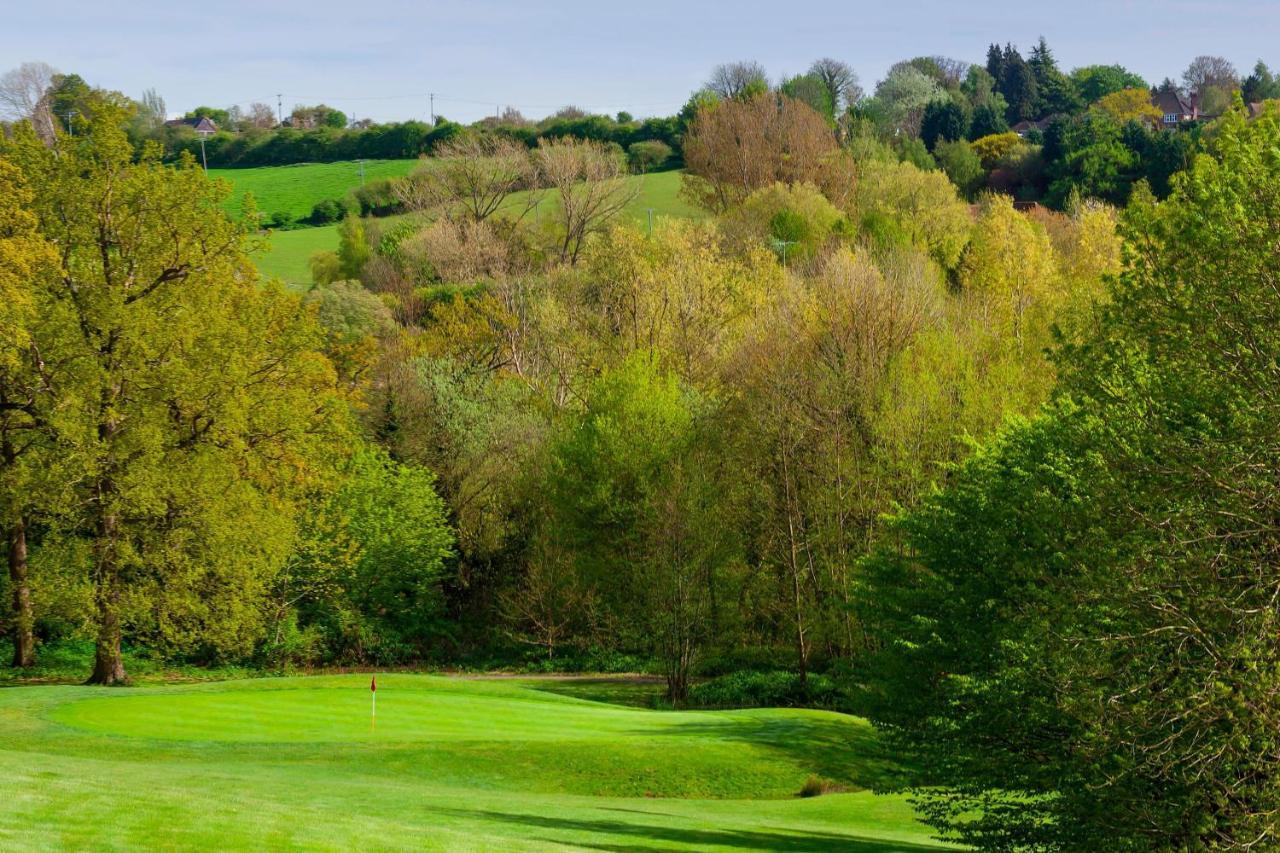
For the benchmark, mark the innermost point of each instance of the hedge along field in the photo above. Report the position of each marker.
(287, 252)
(450, 764)
(296, 189)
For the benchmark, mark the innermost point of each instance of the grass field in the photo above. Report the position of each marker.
(296, 189)
(451, 764)
(288, 252)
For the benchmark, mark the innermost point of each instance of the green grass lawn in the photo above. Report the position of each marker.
(451, 764)
(288, 251)
(296, 189)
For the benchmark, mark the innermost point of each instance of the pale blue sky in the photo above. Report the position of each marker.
(380, 59)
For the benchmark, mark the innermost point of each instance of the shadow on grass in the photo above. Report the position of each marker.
(664, 835)
(847, 751)
(630, 692)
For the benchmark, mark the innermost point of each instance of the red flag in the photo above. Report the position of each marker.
(373, 684)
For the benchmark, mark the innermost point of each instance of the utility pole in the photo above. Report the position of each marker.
(433, 107)
(203, 158)
(785, 244)
(279, 109)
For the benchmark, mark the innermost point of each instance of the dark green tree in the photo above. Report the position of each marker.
(1017, 82)
(1056, 93)
(987, 120)
(1261, 85)
(943, 121)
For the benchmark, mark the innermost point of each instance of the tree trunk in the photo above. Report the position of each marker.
(108, 665)
(24, 643)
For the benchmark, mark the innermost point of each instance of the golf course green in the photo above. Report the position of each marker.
(449, 763)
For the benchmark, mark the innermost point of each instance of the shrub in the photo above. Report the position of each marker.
(773, 689)
(648, 155)
(278, 220)
(797, 214)
(378, 198)
(324, 212)
(991, 149)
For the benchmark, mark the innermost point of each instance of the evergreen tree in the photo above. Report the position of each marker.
(1261, 85)
(1056, 92)
(1018, 85)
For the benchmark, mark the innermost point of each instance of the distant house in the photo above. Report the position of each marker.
(1024, 127)
(203, 125)
(1175, 109)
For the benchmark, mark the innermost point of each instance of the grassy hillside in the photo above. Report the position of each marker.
(296, 189)
(450, 764)
(286, 257)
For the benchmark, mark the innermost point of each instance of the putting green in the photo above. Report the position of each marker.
(450, 764)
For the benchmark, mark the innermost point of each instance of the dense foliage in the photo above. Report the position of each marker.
(1078, 633)
(871, 435)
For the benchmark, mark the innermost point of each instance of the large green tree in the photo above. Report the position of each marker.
(636, 495)
(1078, 634)
(192, 400)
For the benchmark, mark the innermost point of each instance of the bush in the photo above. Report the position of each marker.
(378, 198)
(648, 155)
(774, 689)
(795, 214)
(279, 220)
(329, 210)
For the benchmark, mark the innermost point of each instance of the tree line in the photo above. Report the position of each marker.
(1018, 125)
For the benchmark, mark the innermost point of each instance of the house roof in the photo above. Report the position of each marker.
(203, 124)
(1171, 103)
(1024, 125)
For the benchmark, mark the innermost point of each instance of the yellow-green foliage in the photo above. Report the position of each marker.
(192, 402)
(1128, 105)
(797, 213)
(680, 292)
(24, 256)
(994, 148)
(922, 206)
(1010, 266)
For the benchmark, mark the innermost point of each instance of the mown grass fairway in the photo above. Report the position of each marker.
(296, 189)
(288, 251)
(452, 763)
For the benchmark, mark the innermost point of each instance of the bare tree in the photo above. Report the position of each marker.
(590, 185)
(840, 80)
(1210, 72)
(152, 108)
(472, 175)
(260, 115)
(737, 79)
(512, 117)
(951, 72)
(744, 145)
(24, 95)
